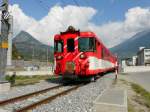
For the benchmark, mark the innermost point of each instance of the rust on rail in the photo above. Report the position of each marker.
(15, 99)
(46, 100)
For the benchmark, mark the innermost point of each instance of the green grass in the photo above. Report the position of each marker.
(124, 81)
(130, 107)
(142, 97)
(26, 80)
(143, 93)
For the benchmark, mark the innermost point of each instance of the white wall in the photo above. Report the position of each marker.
(129, 69)
(30, 73)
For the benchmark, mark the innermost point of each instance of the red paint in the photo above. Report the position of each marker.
(81, 65)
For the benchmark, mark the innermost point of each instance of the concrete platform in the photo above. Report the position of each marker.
(4, 86)
(111, 100)
(2, 110)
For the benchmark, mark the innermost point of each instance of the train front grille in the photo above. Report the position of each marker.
(70, 67)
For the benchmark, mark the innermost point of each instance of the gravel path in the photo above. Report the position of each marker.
(80, 100)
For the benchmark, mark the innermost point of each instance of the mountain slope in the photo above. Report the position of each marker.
(30, 48)
(15, 53)
(131, 46)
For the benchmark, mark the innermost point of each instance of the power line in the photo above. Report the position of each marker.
(46, 7)
(76, 2)
(87, 2)
(63, 1)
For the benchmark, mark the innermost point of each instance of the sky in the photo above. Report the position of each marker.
(113, 21)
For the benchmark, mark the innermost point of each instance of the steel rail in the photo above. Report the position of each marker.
(46, 100)
(22, 97)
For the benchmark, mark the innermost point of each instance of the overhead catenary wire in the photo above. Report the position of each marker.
(46, 7)
(101, 12)
(86, 2)
(76, 3)
(63, 1)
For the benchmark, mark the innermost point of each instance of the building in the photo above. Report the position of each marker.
(134, 60)
(143, 56)
(126, 62)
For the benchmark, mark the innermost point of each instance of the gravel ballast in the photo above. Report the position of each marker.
(80, 100)
(21, 90)
(23, 103)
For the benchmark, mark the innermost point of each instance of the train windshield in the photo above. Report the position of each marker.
(70, 45)
(86, 44)
(58, 46)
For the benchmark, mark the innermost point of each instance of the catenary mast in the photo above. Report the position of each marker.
(6, 28)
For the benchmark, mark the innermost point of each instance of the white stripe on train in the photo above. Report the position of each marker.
(77, 56)
(95, 63)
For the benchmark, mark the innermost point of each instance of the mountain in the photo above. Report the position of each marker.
(15, 53)
(30, 48)
(131, 46)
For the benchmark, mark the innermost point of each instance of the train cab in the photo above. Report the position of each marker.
(79, 54)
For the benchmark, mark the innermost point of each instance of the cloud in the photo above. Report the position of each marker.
(59, 18)
(20, 19)
(136, 20)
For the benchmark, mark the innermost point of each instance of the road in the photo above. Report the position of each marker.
(142, 79)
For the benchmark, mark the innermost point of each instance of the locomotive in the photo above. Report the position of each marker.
(81, 54)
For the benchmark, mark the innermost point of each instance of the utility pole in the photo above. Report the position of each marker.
(10, 35)
(5, 27)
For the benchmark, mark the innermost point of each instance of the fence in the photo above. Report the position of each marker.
(22, 63)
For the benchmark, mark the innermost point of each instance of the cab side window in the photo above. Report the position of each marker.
(70, 45)
(103, 53)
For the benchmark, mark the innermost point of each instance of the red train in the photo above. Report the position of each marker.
(81, 54)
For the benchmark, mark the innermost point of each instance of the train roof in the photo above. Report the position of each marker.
(72, 30)
(81, 34)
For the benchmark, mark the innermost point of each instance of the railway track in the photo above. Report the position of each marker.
(44, 100)
(22, 97)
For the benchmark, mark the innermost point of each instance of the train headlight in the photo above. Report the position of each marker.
(59, 57)
(83, 56)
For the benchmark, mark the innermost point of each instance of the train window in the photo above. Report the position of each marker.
(70, 45)
(147, 50)
(58, 46)
(86, 44)
(103, 53)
